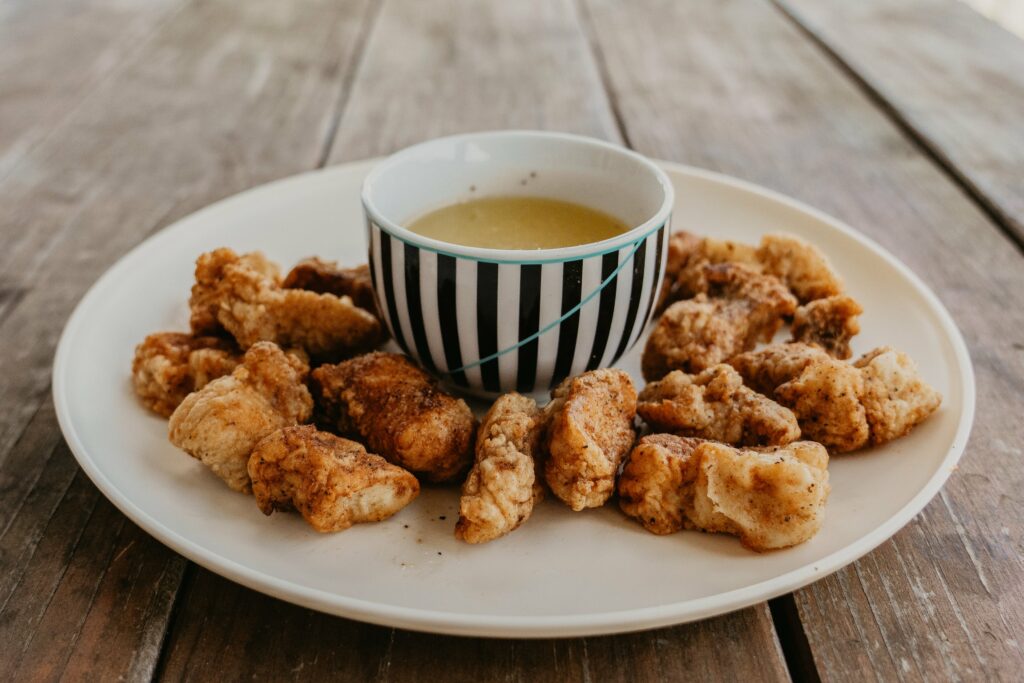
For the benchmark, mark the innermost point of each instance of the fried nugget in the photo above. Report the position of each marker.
(205, 301)
(327, 277)
(771, 497)
(829, 323)
(253, 307)
(895, 397)
(688, 256)
(716, 405)
(591, 430)
(221, 423)
(765, 369)
(168, 366)
(742, 307)
(398, 410)
(826, 397)
(798, 263)
(333, 482)
(503, 485)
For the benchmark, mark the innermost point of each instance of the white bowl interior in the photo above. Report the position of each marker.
(450, 170)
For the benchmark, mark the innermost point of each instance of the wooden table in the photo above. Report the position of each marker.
(903, 118)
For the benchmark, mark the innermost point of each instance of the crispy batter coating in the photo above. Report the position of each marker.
(689, 254)
(333, 482)
(253, 307)
(715, 405)
(399, 411)
(205, 301)
(801, 265)
(829, 323)
(168, 366)
(221, 423)
(765, 369)
(771, 498)
(895, 397)
(591, 430)
(742, 307)
(826, 398)
(503, 485)
(327, 277)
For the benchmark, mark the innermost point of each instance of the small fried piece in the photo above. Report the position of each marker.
(689, 255)
(829, 323)
(503, 486)
(591, 430)
(657, 483)
(168, 366)
(826, 398)
(333, 482)
(895, 397)
(801, 265)
(716, 405)
(399, 411)
(765, 369)
(252, 307)
(205, 300)
(763, 299)
(771, 498)
(327, 277)
(221, 423)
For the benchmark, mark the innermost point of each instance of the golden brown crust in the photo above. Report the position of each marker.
(765, 369)
(503, 485)
(716, 405)
(689, 255)
(168, 366)
(332, 482)
(895, 397)
(221, 423)
(657, 482)
(801, 265)
(327, 277)
(205, 300)
(252, 307)
(829, 323)
(399, 411)
(826, 398)
(591, 430)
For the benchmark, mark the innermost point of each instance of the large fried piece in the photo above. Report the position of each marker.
(801, 265)
(591, 431)
(503, 485)
(829, 323)
(771, 498)
(327, 277)
(221, 423)
(398, 410)
(742, 307)
(826, 398)
(716, 405)
(895, 397)
(253, 307)
(333, 482)
(168, 366)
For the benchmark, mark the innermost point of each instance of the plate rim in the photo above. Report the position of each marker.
(462, 624)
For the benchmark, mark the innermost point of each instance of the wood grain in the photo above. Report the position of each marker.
(953, 77)
(221, 96)
(463, 66)
(733, 87)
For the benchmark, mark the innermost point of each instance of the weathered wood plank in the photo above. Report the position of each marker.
(953, 77)
(463, 66)
(734, 87)
(221, 96)
(55, 54)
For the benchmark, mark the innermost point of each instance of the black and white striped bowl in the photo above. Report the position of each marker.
(495, 320)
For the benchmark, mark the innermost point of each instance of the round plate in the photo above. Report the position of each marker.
(561, 573)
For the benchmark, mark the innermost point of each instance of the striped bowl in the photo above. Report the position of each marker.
(489, 321)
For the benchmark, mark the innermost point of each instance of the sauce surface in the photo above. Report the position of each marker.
(518, 223)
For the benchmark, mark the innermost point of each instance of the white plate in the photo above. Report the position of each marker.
(562, 573)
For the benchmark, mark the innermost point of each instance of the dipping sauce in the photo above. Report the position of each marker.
(518, 223)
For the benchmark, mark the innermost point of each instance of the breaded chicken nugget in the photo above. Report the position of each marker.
(715, 405)
(253, 307)
(168, 366)
(895, 397)
(771, 498)
(327, 277)
(398, 410)
(829, 323)
(221, 423)
(503, 485)
(333, 482)
(205, 300)
(799, 264)
(826, 398)
(763, 299)
(591, 430)
(765, 369)
(689, 254)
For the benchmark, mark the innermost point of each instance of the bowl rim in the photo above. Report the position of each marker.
(519, 256)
